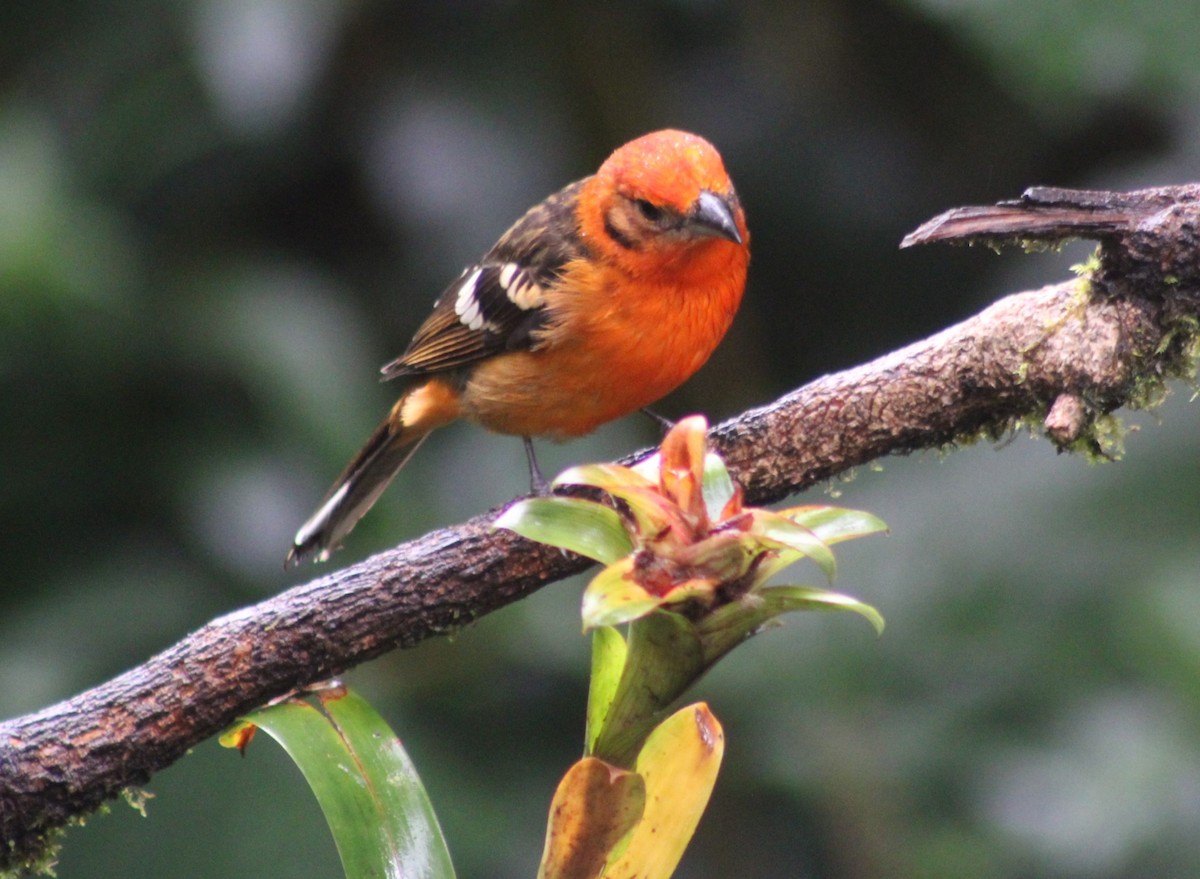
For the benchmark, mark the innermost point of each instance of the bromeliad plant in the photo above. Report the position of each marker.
(687, 567)
(687, 570)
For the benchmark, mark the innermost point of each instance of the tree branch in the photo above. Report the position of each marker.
(1068, 353)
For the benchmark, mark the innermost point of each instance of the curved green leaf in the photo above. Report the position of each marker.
(728, 626)
(376, 807)
(608, 662)
(606, 476)
(652, 512)
(835, 524)
(779, 529)
(575, 524)
(783, 599)
(665, 658)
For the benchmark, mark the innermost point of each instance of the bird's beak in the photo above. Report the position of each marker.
(712, 215)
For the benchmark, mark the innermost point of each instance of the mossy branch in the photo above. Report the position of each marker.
(1063, 356)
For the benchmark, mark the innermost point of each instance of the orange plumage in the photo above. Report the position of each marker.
(596, 303)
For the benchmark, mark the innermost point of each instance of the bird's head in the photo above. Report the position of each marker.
(664, 198)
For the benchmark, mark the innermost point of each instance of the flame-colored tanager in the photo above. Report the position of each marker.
(597, 302)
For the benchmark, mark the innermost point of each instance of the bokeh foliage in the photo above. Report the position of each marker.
(218, 217)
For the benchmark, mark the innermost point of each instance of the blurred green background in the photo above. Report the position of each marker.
(219, 217)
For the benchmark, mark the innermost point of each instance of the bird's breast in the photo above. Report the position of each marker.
(611, 347)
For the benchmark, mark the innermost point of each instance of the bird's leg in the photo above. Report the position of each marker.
(664, 423)
(537, 482)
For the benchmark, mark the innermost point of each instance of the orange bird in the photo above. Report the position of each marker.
(597, 302)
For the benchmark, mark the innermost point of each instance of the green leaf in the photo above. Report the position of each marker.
(784, 533)
(579, 525)
(614, 597)
(376, 807)
(783, 599)
(728, 626)
(607, 477)
(835, 524)
(679, 764)
(718, 486)
(608, 662)
(665, 658)
(651, 511)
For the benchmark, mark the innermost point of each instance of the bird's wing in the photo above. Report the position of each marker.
(497, 304)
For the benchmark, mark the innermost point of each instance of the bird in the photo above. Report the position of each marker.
(596, 303)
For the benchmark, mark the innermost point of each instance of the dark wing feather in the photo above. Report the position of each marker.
(498, 304)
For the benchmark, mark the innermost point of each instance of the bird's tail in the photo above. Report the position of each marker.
(355, 491)
(372, 470)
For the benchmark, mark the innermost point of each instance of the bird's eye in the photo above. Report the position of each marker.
(650, 212)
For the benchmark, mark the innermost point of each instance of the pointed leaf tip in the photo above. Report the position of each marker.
(679, 763)
(239, 736)
(790, 598)
(681, 474)
(376, 807)
(835, 524)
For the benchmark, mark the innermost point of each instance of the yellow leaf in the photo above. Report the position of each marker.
(238, 736)
(679, 764)
(614, 597)
(594, 806)
(604, 476)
